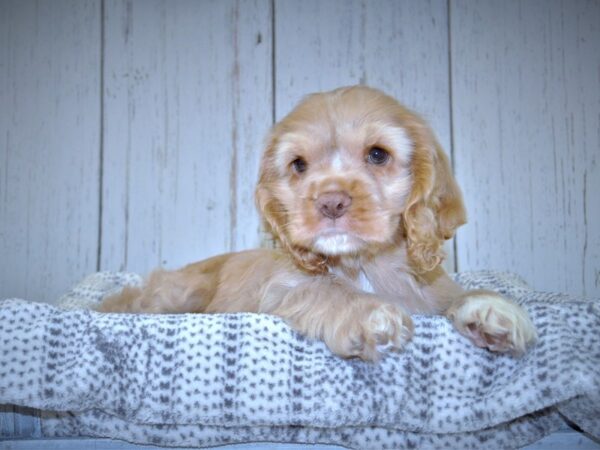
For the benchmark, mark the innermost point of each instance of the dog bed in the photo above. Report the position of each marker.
(205, 380)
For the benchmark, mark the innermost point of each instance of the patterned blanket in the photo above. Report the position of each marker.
(204, 380)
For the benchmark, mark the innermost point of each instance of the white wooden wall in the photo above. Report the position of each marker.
(130, 131)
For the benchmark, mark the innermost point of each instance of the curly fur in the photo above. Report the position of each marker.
(360, 198)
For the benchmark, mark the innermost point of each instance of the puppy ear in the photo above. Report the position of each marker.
(435, 208)
(275, 216)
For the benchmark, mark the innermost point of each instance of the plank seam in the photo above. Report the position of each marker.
(273, 66)
(101, 142)
(451, 118)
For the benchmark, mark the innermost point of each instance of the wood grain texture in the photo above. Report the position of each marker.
(526, 109)
(400, 47)
(49, 145)
(187, 101)
(141, 149)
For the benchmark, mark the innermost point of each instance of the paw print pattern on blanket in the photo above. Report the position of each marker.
(192, 380)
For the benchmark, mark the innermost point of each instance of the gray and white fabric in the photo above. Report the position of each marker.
(204, 380)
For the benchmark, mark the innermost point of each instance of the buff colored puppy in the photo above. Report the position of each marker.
(360, 198)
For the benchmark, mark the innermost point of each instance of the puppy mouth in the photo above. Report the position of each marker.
(334, 242)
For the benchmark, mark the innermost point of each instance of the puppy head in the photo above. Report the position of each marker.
(352, 172)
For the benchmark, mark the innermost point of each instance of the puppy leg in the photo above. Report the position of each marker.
(492, 321)
(485, 317)
(351, 323)
(163, 292)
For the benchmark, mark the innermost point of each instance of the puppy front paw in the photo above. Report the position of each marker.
(369, 330)
(493, 322)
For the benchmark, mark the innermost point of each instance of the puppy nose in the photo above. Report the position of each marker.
(333, 204)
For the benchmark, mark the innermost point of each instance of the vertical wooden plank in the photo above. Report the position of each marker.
(27, 422)
(187, 99)
(49, 145)
(7, 421)
(252, 113)
(400, 47)
(527, 113)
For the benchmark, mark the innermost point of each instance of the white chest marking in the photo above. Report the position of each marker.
(364, 282)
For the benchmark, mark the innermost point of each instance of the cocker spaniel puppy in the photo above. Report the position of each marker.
(360, 197)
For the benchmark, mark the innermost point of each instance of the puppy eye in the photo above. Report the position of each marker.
(378, 156)
(299, 165)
